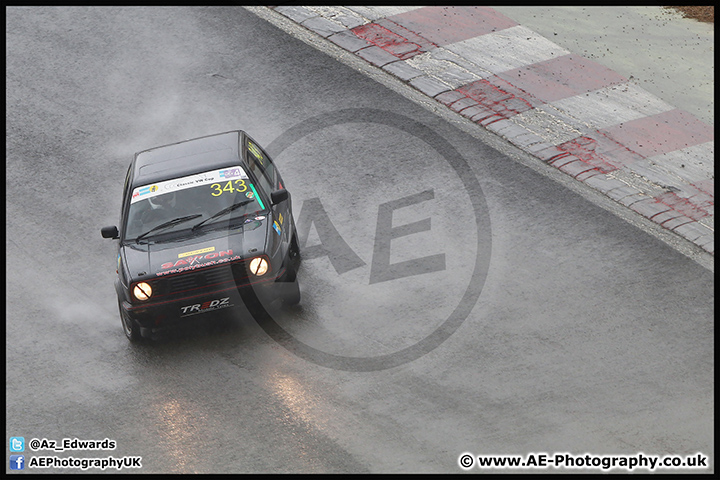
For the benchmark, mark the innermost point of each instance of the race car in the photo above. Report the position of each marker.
(205, 224)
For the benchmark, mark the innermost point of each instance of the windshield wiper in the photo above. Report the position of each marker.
(168, 224)
(222, 212)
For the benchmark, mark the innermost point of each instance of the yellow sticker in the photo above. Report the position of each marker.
(280, 218)
(256, 151)
(197, 252)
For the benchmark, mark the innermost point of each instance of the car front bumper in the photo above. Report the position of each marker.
(169, 313)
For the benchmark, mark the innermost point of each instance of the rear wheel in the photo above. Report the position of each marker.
(130, 326)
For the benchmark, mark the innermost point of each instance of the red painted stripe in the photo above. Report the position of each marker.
(388, 40)
(408, 34)
(685, 206)
(562, 77)
(706, 186)
(412, 37)
(445, 25)
(601, 152)
(661, 133)
(499, 96)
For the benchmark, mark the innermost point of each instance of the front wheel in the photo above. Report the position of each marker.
(130, 326)
(291, 292)
(294, 253)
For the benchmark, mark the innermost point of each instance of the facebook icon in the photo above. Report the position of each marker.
(17, 462)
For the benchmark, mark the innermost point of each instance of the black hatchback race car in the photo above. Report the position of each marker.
(205, 223)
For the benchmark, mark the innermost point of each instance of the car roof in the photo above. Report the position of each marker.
(187, 157)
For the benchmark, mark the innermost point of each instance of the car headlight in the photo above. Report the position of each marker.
(259, 266)
(142, 291)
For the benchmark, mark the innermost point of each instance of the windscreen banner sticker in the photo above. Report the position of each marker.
(146, 190)
(176, 184)
(232, 173)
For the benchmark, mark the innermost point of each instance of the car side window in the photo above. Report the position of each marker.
(263, 168)
(126, 192)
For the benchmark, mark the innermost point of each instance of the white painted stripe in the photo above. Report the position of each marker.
(341, 15)
(507, 49)
(373, 14)
(612, 105)
(692, 164)
(447, 67)
(545, 122)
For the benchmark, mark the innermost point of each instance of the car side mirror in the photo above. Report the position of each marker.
(110, 232)
(279, 196)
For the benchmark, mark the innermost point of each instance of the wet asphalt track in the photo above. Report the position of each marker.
(453, 300)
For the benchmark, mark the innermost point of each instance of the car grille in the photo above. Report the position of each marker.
(213, 278)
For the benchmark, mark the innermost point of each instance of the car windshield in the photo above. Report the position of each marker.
(200, 198)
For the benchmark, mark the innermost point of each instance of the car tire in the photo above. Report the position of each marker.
(291, 293)
(291, 286)
(130, 327)
(294, 253)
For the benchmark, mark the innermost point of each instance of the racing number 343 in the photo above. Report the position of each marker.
(218, 189)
